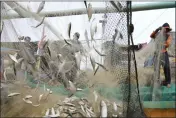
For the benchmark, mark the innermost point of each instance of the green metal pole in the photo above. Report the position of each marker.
(135, 8)
(153, 6)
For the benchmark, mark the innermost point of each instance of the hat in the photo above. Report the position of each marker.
(166, 25)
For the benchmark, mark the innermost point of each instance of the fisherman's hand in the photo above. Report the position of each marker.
(158, 29)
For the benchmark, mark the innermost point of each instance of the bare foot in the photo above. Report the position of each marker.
(168, 85)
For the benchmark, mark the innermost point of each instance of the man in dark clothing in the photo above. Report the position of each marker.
(165, 64)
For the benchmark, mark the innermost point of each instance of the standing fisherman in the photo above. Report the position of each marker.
(165, 64)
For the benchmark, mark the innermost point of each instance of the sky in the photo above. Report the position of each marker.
(144, 21)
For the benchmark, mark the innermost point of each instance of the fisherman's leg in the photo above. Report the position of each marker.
(167, 69)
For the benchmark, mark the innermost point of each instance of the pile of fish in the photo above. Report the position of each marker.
(81, 107)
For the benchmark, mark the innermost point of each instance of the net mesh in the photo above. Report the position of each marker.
(58, 62)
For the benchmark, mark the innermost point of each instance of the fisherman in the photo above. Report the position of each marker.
(166, 64)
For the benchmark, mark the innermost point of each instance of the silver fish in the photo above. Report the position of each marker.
(87, 39)
(78, 59)
(39, 23)
(70, 104)
(96, 69)
(35, 105)
(79, 89)
(27, 101)
(92, 60)
(13, 57)
(13, 94)
(47, 112)
(104, 112)
(40, 97)
(28, 96)
(52, 111)
(49, 52)
(102, 66)
(69, 29)
(92, 31)
(2, 26)
(98, 52)
(89, 11)
(4, 74)
(67, 42)
(114, 106)
(41, 6)
(85, 4)
(72, 87)
(117, 35)
(95, 95)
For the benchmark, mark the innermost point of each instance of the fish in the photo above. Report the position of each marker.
(50, 92)
(52, 111)
(113, 115)
(72, 87)
(39, 23)
(87, 39)
(118, 6)
(88, 114)
(2, 26)
(98, 52)
(41, 6)
(14, 69)
(102, 66)
(85, 4)
(13, 94)
(40, 97)
(89, 11)
(69, 29)
(28, 96)
(67, 42)
(49, 52)
(60, 58)
(13, 57)
(91, 113)
(103, 109)
(36, 105)
(79, 89)
(92, 31)
(114, 106)
(78, 59)
(117, 35)
(4, 74)
(95, 95)
(70, 104)
(92, 60)
(27, 101)
(44, 62)
(47, 112)
(82, 108)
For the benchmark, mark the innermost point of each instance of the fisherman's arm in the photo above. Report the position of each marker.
(153, 35)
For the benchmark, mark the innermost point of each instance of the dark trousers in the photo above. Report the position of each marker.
(166, 67)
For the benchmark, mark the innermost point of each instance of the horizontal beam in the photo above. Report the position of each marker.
(135, 8)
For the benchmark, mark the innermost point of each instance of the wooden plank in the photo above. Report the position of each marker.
(160, 113)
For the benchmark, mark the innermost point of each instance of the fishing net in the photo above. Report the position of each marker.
(55, 63)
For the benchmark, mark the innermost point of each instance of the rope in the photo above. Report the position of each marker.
(129, 59)
(135, 64)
